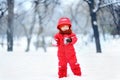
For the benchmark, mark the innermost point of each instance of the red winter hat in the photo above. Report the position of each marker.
(63, 21)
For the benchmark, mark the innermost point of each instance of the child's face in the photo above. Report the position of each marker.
(65, 27)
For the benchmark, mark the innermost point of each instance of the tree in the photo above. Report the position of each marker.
(113, 6)
(116, 17)
(42, 12)
(3, 8)
(10, 4)
(93, 10)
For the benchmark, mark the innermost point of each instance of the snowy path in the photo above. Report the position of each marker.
(43, 66)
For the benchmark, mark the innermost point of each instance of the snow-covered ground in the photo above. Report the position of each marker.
(38, 65)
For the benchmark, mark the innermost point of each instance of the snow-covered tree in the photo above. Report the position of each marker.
(113, 6)
(93, 9)
(10, 25)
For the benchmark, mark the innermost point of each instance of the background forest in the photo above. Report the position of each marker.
(38, 19)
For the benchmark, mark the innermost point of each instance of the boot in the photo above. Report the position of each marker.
(76, 70)
(62, 72)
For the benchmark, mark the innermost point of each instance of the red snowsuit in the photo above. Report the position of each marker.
(66, 54)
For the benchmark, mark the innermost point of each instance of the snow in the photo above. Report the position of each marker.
(94, 22)
(96, 6)
(40, 65)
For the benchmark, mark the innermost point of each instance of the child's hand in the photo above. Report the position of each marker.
(54, 42)
(67, 40)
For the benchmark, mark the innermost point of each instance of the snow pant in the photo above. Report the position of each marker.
(70, 58)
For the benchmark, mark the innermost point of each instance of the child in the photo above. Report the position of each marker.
(65, 39)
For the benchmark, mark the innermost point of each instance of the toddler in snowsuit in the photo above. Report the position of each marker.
(65, 39)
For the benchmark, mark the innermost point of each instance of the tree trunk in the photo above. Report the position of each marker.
(28, 44)
(10, 25)
(94, 25)
(44, 44)
(118, 24)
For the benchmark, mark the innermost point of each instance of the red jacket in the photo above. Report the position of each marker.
(65, 48)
